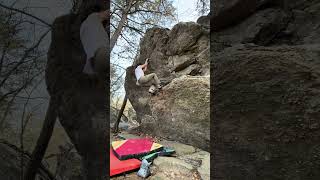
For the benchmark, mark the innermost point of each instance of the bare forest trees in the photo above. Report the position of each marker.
(129, 21)
(203, 6)
(21, 59)
(22, 63)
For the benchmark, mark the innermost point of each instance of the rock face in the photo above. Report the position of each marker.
(266, 91)
(180, 58)
(288, 20)
(187, 162)
(181, 112)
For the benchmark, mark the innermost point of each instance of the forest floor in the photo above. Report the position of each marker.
(188, 162)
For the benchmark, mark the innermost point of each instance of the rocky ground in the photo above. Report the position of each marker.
(187, 163)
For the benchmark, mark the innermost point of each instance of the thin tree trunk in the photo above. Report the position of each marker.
(43, 141)
(116, 124)
(113, 41)
(122, 23)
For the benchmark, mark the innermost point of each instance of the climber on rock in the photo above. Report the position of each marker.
(143, 79)
(95, 41)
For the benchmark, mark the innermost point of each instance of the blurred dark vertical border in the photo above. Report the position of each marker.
(212, 130)
(211, 96)
(106, 5)
(108, 90)
(265, 93)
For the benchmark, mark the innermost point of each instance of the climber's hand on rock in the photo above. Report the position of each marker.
(147, 61)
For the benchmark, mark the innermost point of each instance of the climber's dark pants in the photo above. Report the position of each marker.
(83, 114)
(100, 61)
(100, 65)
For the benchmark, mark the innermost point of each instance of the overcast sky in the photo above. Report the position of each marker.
(186, 10)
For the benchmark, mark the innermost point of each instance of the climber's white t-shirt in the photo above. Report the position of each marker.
(138, 72)
(93, 36)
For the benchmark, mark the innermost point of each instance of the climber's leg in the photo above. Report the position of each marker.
(156, 79)
(153, 78)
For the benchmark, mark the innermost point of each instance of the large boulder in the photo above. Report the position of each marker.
(260, 28)
(227, 13)
(266, 21)
(304, 25)
(266, 112)
(181, 112)
(174, 50)
(183, 37)
(180, 58)
(184, 50)
(266, 103)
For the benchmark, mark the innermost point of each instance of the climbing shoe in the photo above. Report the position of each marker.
(152, 90)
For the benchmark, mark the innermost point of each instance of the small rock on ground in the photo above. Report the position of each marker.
(204, 158)
(181, 149)
(171, 168)
(189, 163)
(164, 162)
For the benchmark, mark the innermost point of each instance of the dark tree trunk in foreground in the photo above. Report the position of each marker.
(42, 142)
(79, 101)
(116, 124)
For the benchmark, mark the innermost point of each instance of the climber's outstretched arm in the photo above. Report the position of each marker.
(145, 65)
(145, 68)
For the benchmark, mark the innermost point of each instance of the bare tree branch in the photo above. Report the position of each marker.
(27, 52)
(120, 26)
(118, 66)
(145, 11)
(18, 90)
(140, 32)
(25, 13)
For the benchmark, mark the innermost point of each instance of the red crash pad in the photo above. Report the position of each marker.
(118, 167)
(135, 148)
